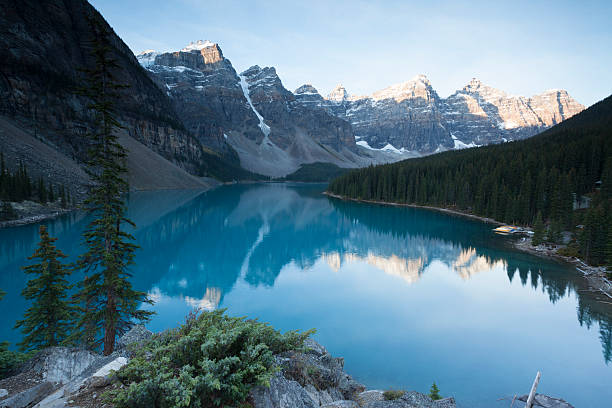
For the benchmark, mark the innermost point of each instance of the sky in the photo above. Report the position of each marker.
(521, 47)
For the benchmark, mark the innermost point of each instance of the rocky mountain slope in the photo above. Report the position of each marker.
(412, 116)
(252, 113)
(44, 45)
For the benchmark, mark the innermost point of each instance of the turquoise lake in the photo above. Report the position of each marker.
(407, 296)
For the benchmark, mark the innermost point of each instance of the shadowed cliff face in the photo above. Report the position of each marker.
(412, 116)
(43, 46)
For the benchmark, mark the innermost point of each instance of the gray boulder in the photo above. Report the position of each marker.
(342, 404)
(366, 398)
(28, 397)
(136, 335)
(413, 399)
(312, 378)
(60, 364)
(282, 393)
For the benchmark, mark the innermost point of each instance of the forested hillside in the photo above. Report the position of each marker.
(513, 182)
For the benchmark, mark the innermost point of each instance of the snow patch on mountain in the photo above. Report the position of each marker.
(147, 58)
(198, 45)
(461, 145)
(265, 129)
(387, 148)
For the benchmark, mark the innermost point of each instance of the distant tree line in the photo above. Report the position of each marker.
(518, 182)
(18, 186)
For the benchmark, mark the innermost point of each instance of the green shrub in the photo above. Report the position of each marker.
(391, 395)
(434, 392)
(9, 360)
(571, 250)
(212, 360)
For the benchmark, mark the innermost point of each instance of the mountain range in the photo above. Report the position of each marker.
(411, 115)
(252, 113)
(274, 131)
(189, 114)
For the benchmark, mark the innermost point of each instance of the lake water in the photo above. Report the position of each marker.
(406, 296)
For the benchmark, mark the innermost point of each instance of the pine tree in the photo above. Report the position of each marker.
(609, 248)
(109, 303)
(47, 322)
(7, 212)
(538, 230)
(434, 392)
(50, 195)
(42, 191)
(554, 232)
(62, 193)
(3, 178)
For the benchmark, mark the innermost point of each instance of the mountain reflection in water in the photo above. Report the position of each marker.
(289, 255)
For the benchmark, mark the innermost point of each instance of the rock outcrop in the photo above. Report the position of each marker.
(411, 115)
(61, 376)
(57, 376)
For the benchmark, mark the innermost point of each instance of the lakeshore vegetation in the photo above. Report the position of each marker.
(17, 186)
(559, 180)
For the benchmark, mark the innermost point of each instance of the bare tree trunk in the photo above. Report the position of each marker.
(532, 393)
(110, 328)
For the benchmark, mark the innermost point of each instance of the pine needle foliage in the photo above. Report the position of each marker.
(48, 321)
(538, 230)
(9, 359)
(212, 360)
(109, 305)
(434, 392)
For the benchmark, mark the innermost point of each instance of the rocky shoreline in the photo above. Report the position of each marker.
(312, 378)
(30, 212)
(427, 207)
(596, 276)
(69, 377)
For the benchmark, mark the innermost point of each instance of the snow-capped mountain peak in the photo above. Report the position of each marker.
(338, 94)
(417, 87)
(198, 45)
(306, 89)
(147, 57)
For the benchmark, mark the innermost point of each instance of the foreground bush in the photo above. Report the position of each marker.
(391, 395)
(213, 360)
(9, 360)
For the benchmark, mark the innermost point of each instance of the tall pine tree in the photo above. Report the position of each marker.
(434, 392)
(538, 230)
(47, 322)
(109, 303)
